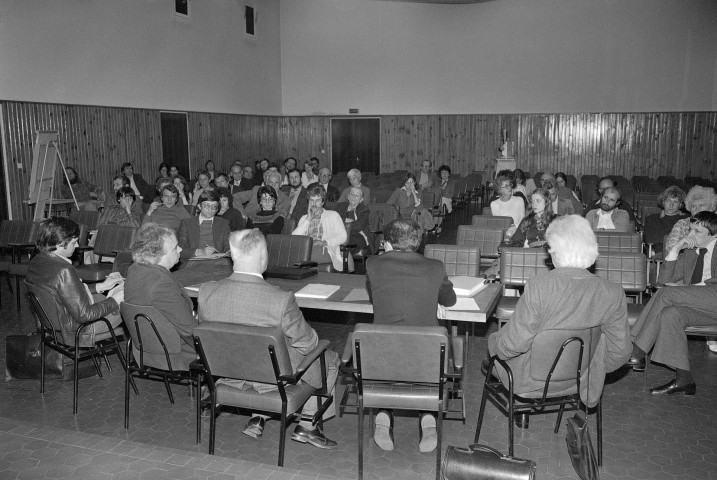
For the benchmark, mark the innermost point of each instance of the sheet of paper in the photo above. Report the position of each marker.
(465, 304)
(317, 290)
(466, 286)
(357, 295)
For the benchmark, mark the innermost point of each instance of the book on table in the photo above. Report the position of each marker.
(466, 286)
(317, 290)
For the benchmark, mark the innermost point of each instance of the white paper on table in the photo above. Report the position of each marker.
(317, 290)
(357, 295)
(465, 304)
(465, 286)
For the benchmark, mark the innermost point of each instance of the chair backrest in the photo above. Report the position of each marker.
(547, 345)
(618, 241)
(381, 211)
(458, 260)
(486, 211)
(17, 231)
(242, 351)
(289, 226)
(48, 312)
(113, 238)
(399, 353)
(627, 269)
(286, 250)
(486, 240)
(518, 264)
(86, 217)
(488, 221)
(428, 198)
(155, 341)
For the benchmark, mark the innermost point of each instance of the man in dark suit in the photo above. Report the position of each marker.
(235, 172)
(690, 299)
(332, 193)
(298, 198)
(141, 188)
(155, 251)
(408, 289)
(205, 235)
(261, 304)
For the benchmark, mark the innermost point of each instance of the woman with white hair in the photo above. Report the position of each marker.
(568, 297)
(698, 199)
(354, 176)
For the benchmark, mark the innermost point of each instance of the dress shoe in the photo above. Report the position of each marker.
(254, 427)
(383, 431)
(671, 387)
(315, 437)
(638, 364)
(429, 436)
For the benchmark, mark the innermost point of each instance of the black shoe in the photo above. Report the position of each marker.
(637, 364)
(254, 427)
(671, 387)
(315, 437)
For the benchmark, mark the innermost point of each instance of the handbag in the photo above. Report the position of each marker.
(580, 445)
(23, 360)
(481, 462)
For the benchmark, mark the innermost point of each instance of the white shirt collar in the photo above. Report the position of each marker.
(249, 273)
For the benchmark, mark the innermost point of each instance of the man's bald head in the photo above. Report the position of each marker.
(248, 251)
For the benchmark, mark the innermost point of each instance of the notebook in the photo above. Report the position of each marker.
(465, 286)
(317, 290)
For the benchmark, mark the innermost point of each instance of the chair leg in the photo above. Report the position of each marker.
(560, 418)
(7, 278)
(282, 436)
(599, 432)
(76, 380)
(511, 426)
(481, 412)
(126, 399)
(439, 432)
(97, 365)
(122, 360)
(169, 390)
(17, 291)
(42, 366)
(360, 438)
(198, 398)
(212, 423)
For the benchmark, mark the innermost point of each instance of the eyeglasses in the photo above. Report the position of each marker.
(210, 206)
(169, 196)
(267, 199)
(324, 174)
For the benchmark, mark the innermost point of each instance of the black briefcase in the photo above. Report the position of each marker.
(480, 462)
(23, 360)
(290, 273)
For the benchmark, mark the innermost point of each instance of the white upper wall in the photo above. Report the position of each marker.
(504, 56)
(136, 53)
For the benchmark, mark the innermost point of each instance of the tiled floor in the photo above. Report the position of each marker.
(645, 437)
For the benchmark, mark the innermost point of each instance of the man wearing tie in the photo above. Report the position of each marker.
(690, 299)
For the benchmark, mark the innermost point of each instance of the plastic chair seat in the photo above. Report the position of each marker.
(296, 396)
(506, 307)
(409, 396)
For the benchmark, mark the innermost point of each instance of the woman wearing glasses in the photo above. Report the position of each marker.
(267, 219)
(125, 213)
(167, 211)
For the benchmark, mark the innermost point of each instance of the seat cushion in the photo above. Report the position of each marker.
(296, 396)
(96, 272)
(400, 395)
(506, 307)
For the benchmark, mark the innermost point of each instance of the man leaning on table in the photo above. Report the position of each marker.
(408, 289)
(265, 305)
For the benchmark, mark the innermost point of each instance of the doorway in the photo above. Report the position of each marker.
(175, 141)
(356, 143)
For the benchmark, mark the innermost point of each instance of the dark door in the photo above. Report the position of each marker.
(355, 143)
(175, 147)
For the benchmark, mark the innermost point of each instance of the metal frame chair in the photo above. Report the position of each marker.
(250, 344)
(565, 365)
(110, 240)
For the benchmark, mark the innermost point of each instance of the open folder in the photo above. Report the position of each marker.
(465, 286)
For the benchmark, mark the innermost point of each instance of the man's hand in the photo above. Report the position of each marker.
(205, 252)
(441, 311)
(111, 281)
(687, 242)
(152, 207)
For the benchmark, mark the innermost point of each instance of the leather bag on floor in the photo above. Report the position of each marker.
(23, 360)
(480, 462)
(580, 447)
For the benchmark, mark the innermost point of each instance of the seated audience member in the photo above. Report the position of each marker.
(52, 268)
(221, 180)
(568, 297)
(206, 234)
(261, 167)
(562, 181)
(289, 165)
(531, 231)
(354, 176)
(159, 186)
(125, 213)
(265, 305)
(248, 181)
(516, 193)
(88, 196)
(325, 227)
(235, 172)
(251, 197)
(564, 192)
(658, 225)
(698, 199)
(332, 193)
(173, 171)
(407, 289)
(308, 176)
(298, 198)
(163, 171)
(267, 219)
(608, 216)
(168, 211)
(185, 196)
(118, 182)
(690, 300)
(355, 216)
(227, 210)
(141, 188)
(201, 186)
(519, 177)
(607, 182)
(210, 169)
(426, 179)
(155, 251)
(315, 165)
(447, 187)
(407, 201)
(560, 206)
(507, 205)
